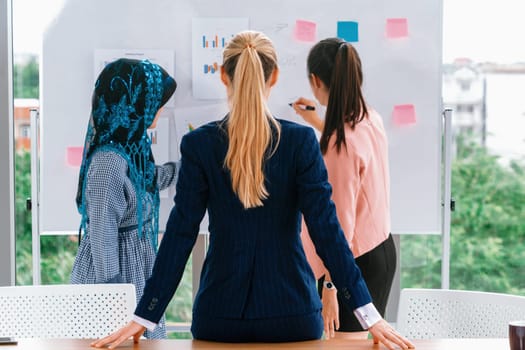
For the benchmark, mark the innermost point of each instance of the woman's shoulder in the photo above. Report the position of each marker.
(374, 115)
(288, 126)
(372, 118)
(295, 135)
(206, 137)
(206, 130)
(216, 131)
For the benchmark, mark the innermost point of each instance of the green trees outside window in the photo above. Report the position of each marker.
(487, 250)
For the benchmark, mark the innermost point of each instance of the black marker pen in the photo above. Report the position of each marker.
(306, 108)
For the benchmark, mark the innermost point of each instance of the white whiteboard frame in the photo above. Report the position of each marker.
(35, 195)
(447, 198)
(164, 40)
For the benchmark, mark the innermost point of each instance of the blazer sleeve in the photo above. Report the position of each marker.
(324, 229)
(181, 232)
(167, 174)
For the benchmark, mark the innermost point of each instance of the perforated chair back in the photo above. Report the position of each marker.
(65, 311)
(441, 313)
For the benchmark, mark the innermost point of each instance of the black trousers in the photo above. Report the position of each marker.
(377, 267)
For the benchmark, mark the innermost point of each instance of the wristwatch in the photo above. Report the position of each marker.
(328, 285)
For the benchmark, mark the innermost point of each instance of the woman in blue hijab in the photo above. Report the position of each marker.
(119, 183)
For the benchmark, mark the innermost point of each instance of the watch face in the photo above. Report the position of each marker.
(329, 285)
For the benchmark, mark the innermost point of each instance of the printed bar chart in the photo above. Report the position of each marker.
(210, 36)
(211, 68)
(214, 44)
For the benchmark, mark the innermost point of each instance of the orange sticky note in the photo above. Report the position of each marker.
(404, 114)
(396, 28)
(305, 30)
(74, 156)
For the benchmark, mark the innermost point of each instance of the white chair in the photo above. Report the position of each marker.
(65, 311)
(441, 313)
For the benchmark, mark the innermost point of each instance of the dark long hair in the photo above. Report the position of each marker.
(338, 65)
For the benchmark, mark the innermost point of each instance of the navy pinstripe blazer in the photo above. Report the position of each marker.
(255, 266)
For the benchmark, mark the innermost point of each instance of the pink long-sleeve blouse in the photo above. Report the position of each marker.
(359, 175)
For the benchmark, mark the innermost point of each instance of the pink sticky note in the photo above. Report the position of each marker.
(305, 30)
(74, 156)
(404, 114)
(396, 28)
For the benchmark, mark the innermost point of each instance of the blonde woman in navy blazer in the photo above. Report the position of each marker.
(255, 175)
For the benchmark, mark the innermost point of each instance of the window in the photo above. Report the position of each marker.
(57, 252)
(488, 181)
(24, 131)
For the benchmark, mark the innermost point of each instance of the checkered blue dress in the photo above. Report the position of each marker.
(110, 250)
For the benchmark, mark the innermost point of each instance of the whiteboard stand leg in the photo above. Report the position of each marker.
(447, 198)
(35, 199)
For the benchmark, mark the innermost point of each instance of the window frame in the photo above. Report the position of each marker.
(7, 232)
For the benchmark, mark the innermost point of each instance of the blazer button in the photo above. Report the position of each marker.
(152, 304)
(346, 294)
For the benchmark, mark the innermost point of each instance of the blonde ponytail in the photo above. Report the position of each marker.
(249, 60)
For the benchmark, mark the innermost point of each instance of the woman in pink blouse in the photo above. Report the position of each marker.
(355, 150)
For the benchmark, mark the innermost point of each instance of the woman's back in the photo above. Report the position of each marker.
(360, 177)
(255, 254)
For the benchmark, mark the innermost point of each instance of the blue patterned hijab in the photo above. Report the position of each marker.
(127, 96)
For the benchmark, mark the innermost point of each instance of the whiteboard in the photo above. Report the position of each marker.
(402, 67)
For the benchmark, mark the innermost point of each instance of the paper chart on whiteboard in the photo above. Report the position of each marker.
(209, 37)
